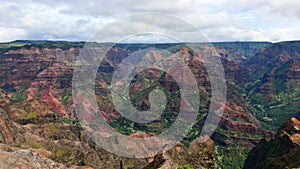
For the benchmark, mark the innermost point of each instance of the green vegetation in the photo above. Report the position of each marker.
(70, 121)
(31, 115)
(9, 88)
(273, 108)
(185, 167)
(32, 144)
(65, 99)
(27, 115)
(54, 127)
(66, 95)
(272, 96)
(124, 126)
(275, 153)
(19, 95)
(178, 47)
(4, 47)
(238, 134)
(231, 157)
(59, 153)
(64, 45)
(67, 154)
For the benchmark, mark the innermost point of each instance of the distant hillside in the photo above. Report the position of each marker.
(275, 90)
(240, 51)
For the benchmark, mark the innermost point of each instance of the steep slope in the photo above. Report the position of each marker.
(43, 73)
(239, 51)
(281, 152)
(275, 89)
(40, 76)
(238, 130)
(12, 157)
(45, 142)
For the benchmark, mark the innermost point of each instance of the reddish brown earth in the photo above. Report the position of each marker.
(44, 141)
(46, 75)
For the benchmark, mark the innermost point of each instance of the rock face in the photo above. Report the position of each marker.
(281, 152)
(275, 88)
(40, 78)
(276, 55)
(45, 142)
(238, 126)
(25, 158)
(239, 51)
(200, 154)
(43, 75)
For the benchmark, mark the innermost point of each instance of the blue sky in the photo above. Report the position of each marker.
(219, 20)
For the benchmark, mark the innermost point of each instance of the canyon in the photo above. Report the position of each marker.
(38, 113)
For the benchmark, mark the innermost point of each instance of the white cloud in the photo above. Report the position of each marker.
(9, 34)
(235, 34)
(286, 8)
(209, 20)
(219, 20)
(124, 7)
(284, 34)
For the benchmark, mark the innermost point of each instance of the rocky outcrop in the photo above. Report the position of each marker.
(14, 158)
(45, 142)
(238, 126)
(42, 74)
(235, 73)
(281, 152)
(200, 154)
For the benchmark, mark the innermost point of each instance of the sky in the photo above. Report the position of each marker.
(218, 20)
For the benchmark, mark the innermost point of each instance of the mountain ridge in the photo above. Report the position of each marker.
(40, 76)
